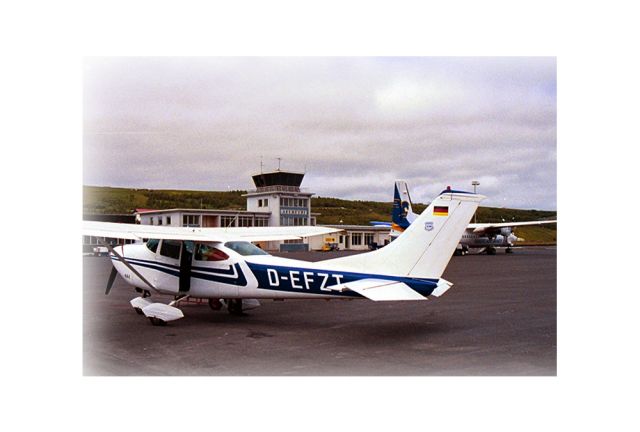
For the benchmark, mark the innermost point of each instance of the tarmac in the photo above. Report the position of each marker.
(498, 319)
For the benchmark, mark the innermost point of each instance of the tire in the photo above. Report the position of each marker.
(235, 306)
(157, 321)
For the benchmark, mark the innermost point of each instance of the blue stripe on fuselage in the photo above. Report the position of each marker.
(316, 281)
(206, 273)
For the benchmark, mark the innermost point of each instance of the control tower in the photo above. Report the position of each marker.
(279, 192)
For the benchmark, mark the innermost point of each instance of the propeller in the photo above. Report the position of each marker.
(112, 278)
(129, 266)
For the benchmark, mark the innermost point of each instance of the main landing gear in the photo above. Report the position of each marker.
(234, 306)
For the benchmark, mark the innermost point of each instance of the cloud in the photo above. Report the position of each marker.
(355, 124)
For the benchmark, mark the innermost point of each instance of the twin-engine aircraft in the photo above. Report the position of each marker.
(222, 265)
(478, 237)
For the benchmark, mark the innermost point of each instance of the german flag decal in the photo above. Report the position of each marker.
(441, 211)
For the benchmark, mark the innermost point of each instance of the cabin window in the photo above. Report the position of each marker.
(152, 245)
(245, 248)
(170, 249)
(210, 253)
(356, 239)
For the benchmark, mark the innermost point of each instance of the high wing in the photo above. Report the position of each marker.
(252, 234)
(484, 227)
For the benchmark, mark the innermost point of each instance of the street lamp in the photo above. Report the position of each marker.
(475, 183)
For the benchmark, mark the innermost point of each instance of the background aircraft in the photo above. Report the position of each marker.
(223, 266)
(477, 238)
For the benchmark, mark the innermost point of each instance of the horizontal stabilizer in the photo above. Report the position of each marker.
(380, 290)
(443, 286)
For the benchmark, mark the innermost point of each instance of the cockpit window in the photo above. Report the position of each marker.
(245, 248)
(152, 244)
(209, 253)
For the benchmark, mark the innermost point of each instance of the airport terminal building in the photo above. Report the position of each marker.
(277, 200)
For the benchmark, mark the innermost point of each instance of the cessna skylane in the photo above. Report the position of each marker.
(222, 265)
(478, 237)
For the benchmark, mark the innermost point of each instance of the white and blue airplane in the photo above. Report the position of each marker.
(222, 265)
(477, 238)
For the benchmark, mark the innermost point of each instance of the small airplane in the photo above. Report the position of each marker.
(477, 238)
(222, 265)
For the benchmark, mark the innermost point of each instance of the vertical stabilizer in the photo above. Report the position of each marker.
(425, 248)
(402, 213)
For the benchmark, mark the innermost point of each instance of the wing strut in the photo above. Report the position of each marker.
(129, 266)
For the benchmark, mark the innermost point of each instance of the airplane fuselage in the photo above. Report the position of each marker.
(252, 276)
(474, 240)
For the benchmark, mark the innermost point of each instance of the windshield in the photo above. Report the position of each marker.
(245, 248)
(152, 244)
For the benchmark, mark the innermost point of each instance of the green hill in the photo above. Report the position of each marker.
(330, 211)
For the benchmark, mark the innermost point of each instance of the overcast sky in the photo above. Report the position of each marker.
(354, 124)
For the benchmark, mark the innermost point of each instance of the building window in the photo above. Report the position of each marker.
(261, 222)
(368, 238)
(293, 221)
(151, 220)
(227, 221)
(160, 220)
(356, 239)
(259, 203)
(168, 220)
(245, 221)
(266, 202)
(191, 220)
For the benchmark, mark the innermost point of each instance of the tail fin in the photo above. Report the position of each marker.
(424, 250)
(402, 214)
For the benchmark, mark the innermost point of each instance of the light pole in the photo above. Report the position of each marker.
(475, 183)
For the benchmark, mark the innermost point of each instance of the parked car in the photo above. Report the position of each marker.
(100, 251)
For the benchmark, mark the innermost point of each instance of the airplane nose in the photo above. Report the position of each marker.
(118, 249)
